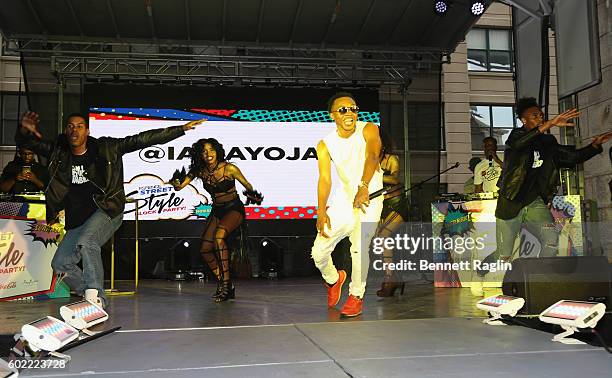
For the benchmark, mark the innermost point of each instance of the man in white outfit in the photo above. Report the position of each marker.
(354, 147)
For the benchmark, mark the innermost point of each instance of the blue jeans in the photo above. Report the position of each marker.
(85, 242)
(536, 217)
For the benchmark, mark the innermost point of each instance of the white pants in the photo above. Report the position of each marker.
(347, 221)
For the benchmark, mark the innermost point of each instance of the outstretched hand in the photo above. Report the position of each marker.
(253, 197)
(176, 184)
(562, 119)
(29, 123)
(601, 139)
(193, 124)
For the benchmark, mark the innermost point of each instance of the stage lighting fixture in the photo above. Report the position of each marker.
(49, 334)
(180, 260)
(82, 315)
(571, 315)
(477, 8)
(185, 262)
(499, 305)
(271, 258)
(440, 6)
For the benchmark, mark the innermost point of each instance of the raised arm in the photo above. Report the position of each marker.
(180, 185)
(523, 140)
(27, 135)
(152, 137)
(569, 156)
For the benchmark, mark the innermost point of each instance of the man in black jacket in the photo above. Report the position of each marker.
(86, 180)
(530, 177)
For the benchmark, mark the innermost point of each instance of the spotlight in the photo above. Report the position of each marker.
(571, 315)
(440, 6)
(499, 305)
(49, 334)
(185, 262)
(271, 257)
(477, 8)
(82, 315)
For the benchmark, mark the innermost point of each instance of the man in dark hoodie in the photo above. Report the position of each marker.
(86, 180)
(530, 177)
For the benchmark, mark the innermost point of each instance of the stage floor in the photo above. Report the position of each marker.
(282, 328)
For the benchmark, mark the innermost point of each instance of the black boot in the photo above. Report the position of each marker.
(227, 292)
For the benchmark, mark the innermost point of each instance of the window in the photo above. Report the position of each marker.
(491, 120)
(425, 126)
(489, 50)
(9, 104)
(8, 48)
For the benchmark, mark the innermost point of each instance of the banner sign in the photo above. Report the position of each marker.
(26, 250)
(477, 219)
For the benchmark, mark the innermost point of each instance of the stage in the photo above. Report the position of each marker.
(282, 328)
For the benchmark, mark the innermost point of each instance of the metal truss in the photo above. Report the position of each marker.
(214, 63)
(239, 71)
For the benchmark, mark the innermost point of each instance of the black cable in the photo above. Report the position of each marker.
(514, 320)
(601, 340)
(544, 62)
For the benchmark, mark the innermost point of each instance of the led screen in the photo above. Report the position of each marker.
(274, 149)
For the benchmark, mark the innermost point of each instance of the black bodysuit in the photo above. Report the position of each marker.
(225, 185)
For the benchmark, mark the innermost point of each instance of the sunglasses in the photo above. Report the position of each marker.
(345, 109)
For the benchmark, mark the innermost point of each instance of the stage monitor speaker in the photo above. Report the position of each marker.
(527, 49)
(575, 25)
(546, 280)
(577, 35)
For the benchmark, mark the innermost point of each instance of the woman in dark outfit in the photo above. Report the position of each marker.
(395, 211)
(218, 178)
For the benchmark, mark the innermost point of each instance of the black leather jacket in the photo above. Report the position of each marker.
(106, 173)
(518, 157)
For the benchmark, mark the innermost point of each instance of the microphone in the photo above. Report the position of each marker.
(393, 188)
(383, 191)
(490, 160)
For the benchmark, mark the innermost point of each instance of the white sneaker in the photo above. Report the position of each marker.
(91, 295)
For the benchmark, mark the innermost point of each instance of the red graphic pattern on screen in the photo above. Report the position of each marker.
(219, 112)
(281, 212)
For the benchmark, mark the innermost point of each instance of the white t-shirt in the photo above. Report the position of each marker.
(348, 156)
(487, 173)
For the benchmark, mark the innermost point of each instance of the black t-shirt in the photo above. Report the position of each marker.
(79, 200)
(535, 181)
(15, 167)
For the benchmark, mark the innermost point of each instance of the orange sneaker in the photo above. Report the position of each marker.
(335, 291)
(352, 307)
